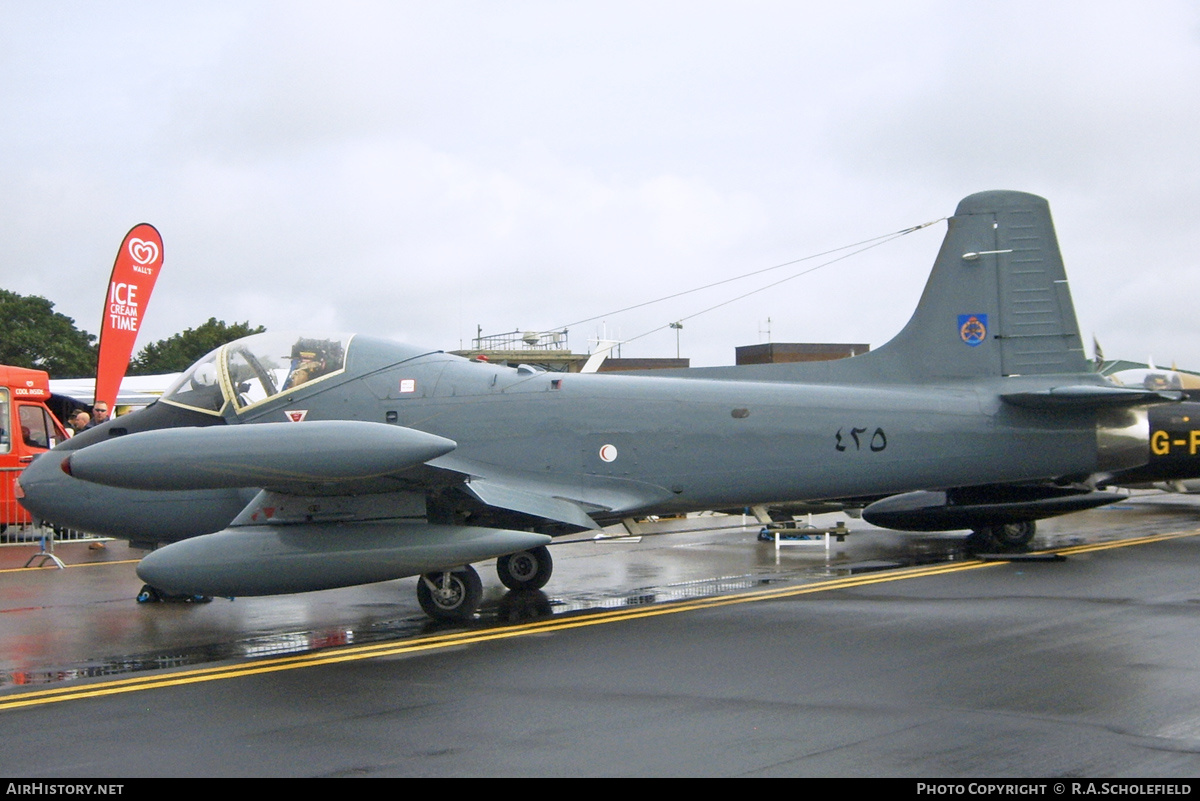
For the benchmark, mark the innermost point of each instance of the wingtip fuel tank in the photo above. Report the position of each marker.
(264, 455)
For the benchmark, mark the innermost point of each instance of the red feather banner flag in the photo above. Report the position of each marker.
(134, 273)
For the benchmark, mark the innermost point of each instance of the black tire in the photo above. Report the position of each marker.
(981, 541)
(148, 595)
(523, 606)
(1014, 537)
(454, 595)
(526, 570)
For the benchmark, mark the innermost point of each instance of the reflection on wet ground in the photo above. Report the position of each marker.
(62, 625)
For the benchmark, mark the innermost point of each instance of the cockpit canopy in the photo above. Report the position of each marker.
(255, 369)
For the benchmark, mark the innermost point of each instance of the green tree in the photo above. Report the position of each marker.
(33, 335)
(177, 353)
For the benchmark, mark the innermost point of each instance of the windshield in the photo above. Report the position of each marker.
(255, 369)
(198, 387)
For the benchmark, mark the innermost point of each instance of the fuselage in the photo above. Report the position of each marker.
(617, 444)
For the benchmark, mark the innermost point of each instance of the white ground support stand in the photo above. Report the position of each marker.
(43, 555)
(811, 534)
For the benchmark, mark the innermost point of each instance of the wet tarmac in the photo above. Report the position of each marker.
(81, 621)
(643, 655)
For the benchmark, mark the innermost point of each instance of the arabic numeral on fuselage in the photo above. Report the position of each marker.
(857, 439)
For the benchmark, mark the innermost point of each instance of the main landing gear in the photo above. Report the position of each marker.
(1006, 538)
(526, 570)
(153, 595)
(455, 595)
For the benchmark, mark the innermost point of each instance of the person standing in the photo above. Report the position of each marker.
(78, 421)
(99, 414)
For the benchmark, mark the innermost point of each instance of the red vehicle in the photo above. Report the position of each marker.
(27, 428)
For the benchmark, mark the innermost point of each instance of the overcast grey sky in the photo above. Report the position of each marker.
(415, 169)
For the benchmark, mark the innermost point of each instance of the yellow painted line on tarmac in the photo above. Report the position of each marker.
(1105, 546)
(80, 564)
(461, 638)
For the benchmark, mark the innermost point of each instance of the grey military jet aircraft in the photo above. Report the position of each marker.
(281, 464)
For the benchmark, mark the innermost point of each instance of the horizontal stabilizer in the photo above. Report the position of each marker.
(1088, 396)
(269, 560)
(261, 455)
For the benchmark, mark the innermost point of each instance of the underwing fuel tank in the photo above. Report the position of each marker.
(1122, 440)
(269, 560)
(981, 507)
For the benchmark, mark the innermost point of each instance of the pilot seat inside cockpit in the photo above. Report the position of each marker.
(313, 358)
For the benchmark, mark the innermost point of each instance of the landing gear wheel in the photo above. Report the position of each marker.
(980, 540)
(153, 595)
(450, 595)
(1014, 537)
(522, 606)
(526, 570)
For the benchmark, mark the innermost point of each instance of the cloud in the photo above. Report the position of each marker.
(418, 170)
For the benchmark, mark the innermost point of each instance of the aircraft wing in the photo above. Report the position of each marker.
(352, 470)
(498, 494)
(573, 500)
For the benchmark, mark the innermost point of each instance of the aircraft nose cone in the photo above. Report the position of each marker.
(51, 495)
(36, 481)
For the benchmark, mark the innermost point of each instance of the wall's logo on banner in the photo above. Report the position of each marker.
(143, 252)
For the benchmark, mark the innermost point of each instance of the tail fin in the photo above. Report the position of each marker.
(997, 301)
(996, 304)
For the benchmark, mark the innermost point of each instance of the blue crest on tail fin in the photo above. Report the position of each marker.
(972, 328)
